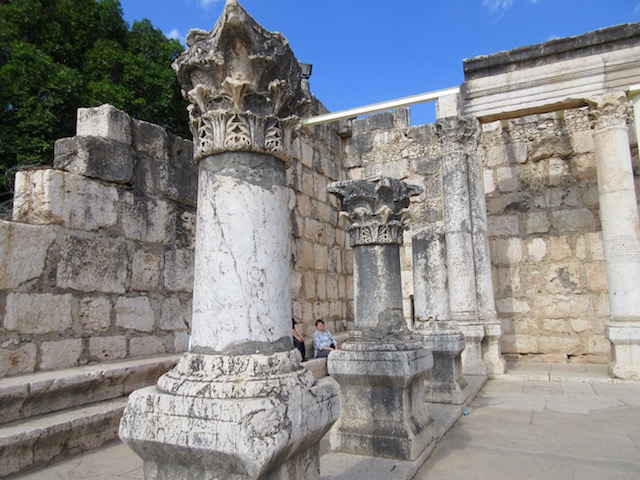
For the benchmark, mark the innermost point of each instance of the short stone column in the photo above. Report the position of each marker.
(238, 405)
(433, 323)
(456, 134)
(620, 230)
(381, 369)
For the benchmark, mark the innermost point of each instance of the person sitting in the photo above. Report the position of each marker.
(323, 342)
(298, 339)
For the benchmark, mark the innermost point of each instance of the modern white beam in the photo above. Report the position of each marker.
(379, 107)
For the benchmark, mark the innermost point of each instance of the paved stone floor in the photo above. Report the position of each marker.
(544, 422)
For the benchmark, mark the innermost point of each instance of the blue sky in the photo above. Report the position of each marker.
(368, 51)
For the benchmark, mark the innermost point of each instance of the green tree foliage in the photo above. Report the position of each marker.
(59, 55)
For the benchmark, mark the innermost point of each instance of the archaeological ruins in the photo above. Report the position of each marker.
(506, 230)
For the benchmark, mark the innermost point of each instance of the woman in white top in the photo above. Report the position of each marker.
(323, 342)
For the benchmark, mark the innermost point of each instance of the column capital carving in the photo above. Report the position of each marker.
(377, 208)
(458, 133)
(608, 110)
(244, 86)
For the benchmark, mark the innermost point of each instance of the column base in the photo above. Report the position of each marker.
(234, 417)
(383, 412)
(625, 349)
(491, 350)
(446, 383)
(472, 359)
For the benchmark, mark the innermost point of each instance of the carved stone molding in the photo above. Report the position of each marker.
(244, 86)
(608, 110)
(377, 208)
(458, 133)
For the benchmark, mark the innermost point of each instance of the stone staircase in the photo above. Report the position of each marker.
(49, 416)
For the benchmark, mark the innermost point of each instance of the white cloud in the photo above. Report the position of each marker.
(637, 9)
(207, 3)
(497, 6)
(174, 34)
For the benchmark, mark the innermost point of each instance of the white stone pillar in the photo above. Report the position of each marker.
(433, 324)
(620, 230)
(455, 136)
(381, 369)
(239, 404)
(491, 350)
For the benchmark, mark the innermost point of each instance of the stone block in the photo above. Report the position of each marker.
(95, 314)
(135, 314)
(396, 169)
(512, 305)
(143, 346)
(506, 251)
(106, 349)
(23, 251)
(21, 359)
(582, 141)
(181, 342)
(178, 270)
(38, 313)
(426, 165)
(60, 354)
(537, 249)
(564, 277)
(537, 222)
(104, 121)
(94, 157)
(507, 179)
(576, 220)
(180, 184)
(504, 225)
(53, 196)
(150, 139)
(174, 314)
(93, 265)
(559, 248)
(562, 306)
(488, 182)
(596, 273)
(145, 218)
(145, 271)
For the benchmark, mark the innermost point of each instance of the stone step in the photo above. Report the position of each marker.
(39, 441)
(26, 396)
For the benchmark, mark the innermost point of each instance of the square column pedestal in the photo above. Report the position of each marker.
(625, 349)
(231, 417)
(383, 413)
(445, 384)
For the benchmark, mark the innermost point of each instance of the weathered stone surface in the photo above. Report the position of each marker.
(53, 196)
(93, 265)
(95, 314)
(135, 313)
(175, 315)
(23, 251)
(145, 218)
(143, 346)
(38, 313)
(60, 354)
(178, 270)
(105, 349)
(17, 360)
(145, 271)
(104, 121)
(89, 156)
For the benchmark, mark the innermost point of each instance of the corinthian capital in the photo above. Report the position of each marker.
(608, 110)
(458, 133)
(244, 86)
(377, 208)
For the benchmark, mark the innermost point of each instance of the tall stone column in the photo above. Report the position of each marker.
(238, 405)
(382, 368)
(620, 230)
(433, 324)
(456, 134)
(491, 349)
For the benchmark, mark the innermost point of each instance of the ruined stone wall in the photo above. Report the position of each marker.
(549, 271)
(97, 264)
(541, 194)
(321, 258)
(386, 144)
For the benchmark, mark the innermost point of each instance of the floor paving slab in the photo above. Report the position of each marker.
(518, 426)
